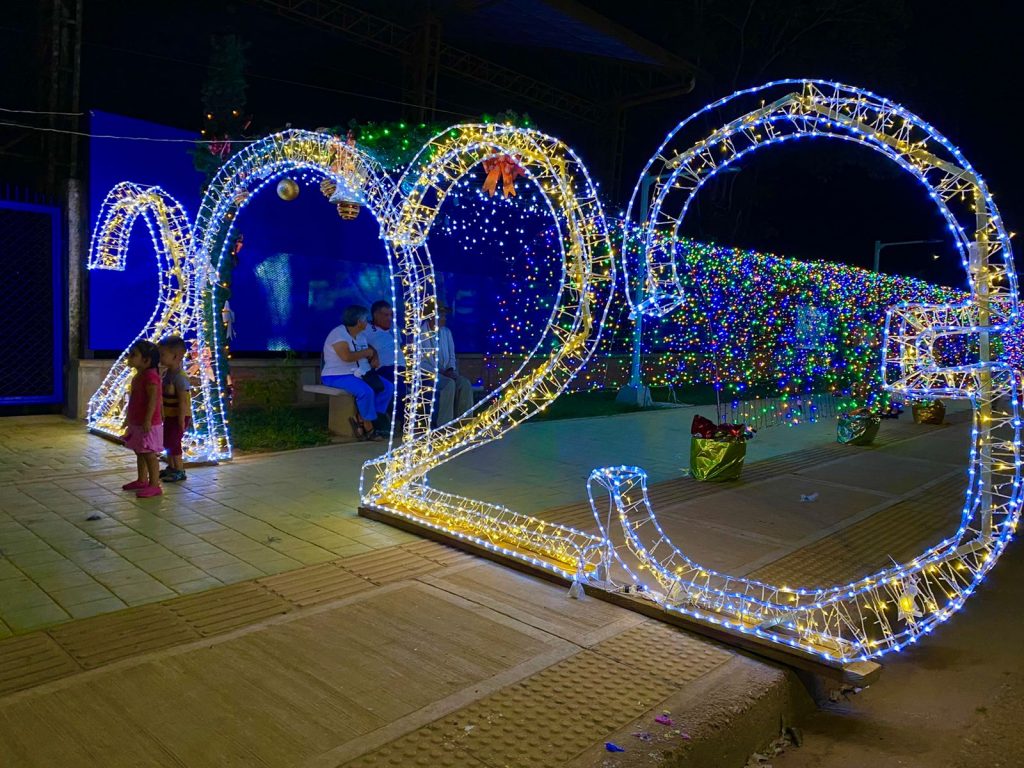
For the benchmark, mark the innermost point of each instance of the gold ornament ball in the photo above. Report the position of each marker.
(349, 210)
(287, 189)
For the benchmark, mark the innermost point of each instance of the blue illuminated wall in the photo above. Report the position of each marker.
(301, 264)
(120, 303)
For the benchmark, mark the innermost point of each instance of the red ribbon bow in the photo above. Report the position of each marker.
(507, 169)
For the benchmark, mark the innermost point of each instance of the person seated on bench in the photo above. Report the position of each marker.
(381, 336)
(454, 391)
(347, 365)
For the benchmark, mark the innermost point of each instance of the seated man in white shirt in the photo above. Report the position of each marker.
(454, 391)
(381, 337)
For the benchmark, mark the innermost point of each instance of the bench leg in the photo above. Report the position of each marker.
(339, 411)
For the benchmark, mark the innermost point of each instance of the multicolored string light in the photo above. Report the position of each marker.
(883, 611)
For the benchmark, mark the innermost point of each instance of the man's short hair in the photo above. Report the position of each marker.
(173, 343)
(379, 304)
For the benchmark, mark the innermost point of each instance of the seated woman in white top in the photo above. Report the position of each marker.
(348, 358)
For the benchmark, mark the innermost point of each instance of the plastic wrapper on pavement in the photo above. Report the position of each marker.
(712, 460)
(857, 428)
(930, 412)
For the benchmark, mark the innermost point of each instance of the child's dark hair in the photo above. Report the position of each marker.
(173, 343)
(150, 352)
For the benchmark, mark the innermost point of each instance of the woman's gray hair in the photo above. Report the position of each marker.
(353, 314)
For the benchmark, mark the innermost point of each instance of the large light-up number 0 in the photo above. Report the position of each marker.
(396, 482)
(885, 610)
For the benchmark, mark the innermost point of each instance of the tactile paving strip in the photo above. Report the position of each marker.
(317, 584)
(438, 553)
(544, 720)
(664, 653)
(65, 649)
(32, 660)
(898, 533)
(105, 639)
(221, 610)
(386, 566)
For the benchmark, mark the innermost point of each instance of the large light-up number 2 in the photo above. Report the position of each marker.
(191, 260)
(175, 311)
(396, 482)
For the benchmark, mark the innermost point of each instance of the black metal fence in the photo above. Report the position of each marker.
(31, 304)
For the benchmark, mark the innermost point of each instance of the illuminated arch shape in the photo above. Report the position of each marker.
(397, 482)
(886, 610)
(188, 304)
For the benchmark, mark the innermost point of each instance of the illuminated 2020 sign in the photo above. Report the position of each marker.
(835, 623)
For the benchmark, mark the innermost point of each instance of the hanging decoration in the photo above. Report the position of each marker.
(348, 210)
(228, 317)
(505, 169)
(287, 189)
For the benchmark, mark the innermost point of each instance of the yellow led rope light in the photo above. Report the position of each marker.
(396, 482)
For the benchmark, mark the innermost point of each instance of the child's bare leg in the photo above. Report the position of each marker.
(176, 463)
(152, 467)
(140, 463)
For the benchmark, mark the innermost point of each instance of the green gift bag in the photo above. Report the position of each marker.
(712, 459)
(857, 429)
(929, 412)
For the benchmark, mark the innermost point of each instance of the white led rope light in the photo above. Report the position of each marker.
(190, 261)
(884, 611)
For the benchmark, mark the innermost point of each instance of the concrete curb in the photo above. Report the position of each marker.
(729, 714)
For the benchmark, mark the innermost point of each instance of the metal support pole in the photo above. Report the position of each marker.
(878, 252)
(635, 393)
(979, 254)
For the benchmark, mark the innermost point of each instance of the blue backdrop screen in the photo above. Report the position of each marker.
(300, 264)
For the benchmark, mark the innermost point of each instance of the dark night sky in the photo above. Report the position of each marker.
(956, 64)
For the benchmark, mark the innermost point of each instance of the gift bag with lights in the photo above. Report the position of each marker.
(857, 427)
(929, 412)
(717, 451)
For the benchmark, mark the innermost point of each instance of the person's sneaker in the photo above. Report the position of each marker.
(175, 476)
(134, 485)
(149, 491)
(165, 472)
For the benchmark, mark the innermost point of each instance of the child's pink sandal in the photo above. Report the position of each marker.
(134, 485)
(148, 491)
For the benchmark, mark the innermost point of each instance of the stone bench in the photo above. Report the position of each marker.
(341, 408)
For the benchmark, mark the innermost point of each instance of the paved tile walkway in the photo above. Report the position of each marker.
(270, 513)
(253, 517)
(414, 655)
(269, 624)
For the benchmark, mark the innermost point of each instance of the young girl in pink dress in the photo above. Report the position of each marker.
(144, 429)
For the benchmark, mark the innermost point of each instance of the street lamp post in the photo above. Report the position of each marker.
(880, 245)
